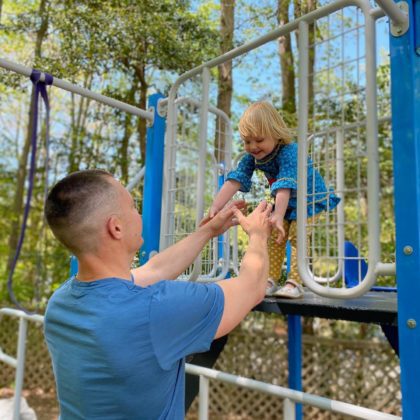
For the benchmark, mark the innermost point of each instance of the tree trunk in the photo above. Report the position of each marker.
(128, 131)
(225, 81)
(286, 61)
(22, 170)
(79, 111)
(141, 122)
(302, 8)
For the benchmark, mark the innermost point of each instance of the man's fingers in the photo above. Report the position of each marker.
(262, 206)
(268, 209)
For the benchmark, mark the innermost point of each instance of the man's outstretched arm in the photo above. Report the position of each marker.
(173, 261)
(248, 289)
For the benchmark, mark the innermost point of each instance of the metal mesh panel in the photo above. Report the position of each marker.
(337, 143)
(184, 157)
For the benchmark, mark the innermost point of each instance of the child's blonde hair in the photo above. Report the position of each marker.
(262, 120)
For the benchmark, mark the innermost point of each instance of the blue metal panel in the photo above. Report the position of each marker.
(405, 100)
(153, 177)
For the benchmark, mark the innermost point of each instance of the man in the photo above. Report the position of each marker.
(118, 337)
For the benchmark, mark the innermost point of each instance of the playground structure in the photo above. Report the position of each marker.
(176, 206)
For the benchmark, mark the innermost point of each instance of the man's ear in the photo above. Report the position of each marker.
(114, 227)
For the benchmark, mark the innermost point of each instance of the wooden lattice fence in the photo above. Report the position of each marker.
(357, 371)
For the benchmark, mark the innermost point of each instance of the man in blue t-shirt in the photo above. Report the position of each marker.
(118, 337)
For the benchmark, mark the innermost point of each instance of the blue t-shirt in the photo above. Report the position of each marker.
(280, 169)
(118, 349)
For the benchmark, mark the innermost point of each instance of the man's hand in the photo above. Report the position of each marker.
(224, 219)
(277, 222)
(258, 221)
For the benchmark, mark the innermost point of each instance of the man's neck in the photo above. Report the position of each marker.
(92, 267)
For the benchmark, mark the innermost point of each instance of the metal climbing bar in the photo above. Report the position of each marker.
(393, 11)
(26, 71)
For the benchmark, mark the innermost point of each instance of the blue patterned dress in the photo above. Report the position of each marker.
(280, 169)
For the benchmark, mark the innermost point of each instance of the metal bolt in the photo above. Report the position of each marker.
(411, 323)
(408, 250)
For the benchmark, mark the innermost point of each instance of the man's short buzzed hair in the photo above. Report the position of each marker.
(71, 206)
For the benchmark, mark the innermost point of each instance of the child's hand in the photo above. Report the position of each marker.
(224, 219)
(213, 211)
(277, 222)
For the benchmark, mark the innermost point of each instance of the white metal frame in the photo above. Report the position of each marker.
(168, 203)
(18, 362)
(290, 396)
(313, 282)
(375, 267)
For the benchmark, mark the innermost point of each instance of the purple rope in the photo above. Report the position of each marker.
(40, 89)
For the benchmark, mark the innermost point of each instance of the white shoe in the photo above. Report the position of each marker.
(271, 287)
(288, 292)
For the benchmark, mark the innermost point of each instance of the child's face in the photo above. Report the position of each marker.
(260, 147)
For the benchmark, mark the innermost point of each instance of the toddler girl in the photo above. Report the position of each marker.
(270, 148)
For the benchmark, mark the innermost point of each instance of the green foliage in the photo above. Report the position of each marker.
(116, 48)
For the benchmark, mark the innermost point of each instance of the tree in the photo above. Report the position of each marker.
(286, 61)
(17, 206)
(225, 80)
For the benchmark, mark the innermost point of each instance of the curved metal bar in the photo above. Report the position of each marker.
(392, 11)
(136, 180)
(373, 167)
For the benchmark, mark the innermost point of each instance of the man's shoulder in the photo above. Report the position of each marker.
(172, 288)
(62, 288)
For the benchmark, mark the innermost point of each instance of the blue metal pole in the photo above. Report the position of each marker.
(405, 101)
(220, 182)
(294, 345)
(74, 266)
(153, 178)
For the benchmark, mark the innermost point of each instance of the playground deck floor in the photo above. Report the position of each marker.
(372, 307)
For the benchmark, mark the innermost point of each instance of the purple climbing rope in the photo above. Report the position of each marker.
(40, 81)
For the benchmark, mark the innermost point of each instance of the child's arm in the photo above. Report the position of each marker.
(276, 219)
(228, 190)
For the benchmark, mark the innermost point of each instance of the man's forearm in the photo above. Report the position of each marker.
(173, 261)
(254, 265)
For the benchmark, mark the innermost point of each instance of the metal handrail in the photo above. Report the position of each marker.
(19, 362)
(290, 396)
